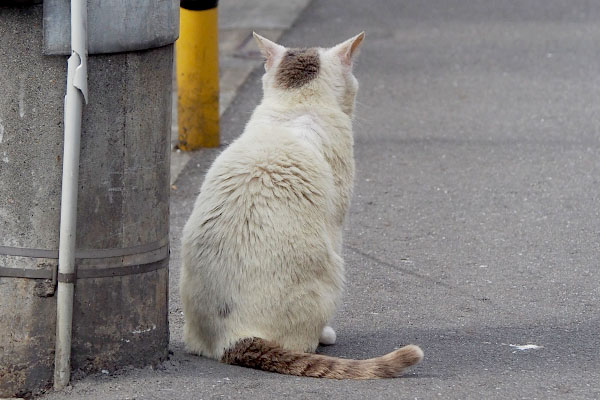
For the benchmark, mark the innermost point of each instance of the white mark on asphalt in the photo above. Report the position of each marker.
(526, 346)
(1, 131)
(4, 157)
(523, 347)
(22, 96)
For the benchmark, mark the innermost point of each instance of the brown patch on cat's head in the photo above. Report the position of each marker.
(297, 68)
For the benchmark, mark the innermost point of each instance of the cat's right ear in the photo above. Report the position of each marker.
(269, 50)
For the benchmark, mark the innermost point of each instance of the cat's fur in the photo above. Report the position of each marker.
(262, 268)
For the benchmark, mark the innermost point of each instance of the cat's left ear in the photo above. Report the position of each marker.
(270, 50)
(348, 50)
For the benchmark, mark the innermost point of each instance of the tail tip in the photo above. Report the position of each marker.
(412, 354)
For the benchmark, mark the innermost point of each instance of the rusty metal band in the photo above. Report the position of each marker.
(84, 253)
(46, 273)
(93, 263)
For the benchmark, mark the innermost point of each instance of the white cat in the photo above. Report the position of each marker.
(262, 268)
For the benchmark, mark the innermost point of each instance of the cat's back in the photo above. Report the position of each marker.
(268, 177)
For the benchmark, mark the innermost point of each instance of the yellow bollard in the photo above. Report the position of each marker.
(198, 75)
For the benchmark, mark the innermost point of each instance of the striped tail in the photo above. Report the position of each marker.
(268, 356)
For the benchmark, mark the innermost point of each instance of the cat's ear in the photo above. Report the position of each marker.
(270, 50)
(348, 50)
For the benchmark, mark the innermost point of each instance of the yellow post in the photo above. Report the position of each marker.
(198, 75)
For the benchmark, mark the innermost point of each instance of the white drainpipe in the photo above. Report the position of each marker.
(76, 95)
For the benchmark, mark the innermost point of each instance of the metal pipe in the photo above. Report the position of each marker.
(76, 95)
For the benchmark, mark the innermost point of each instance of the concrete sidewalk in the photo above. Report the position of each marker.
(474, 229)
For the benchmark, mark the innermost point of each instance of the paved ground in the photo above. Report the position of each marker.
(475, 225)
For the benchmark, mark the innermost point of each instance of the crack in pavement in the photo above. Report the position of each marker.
(420, 276)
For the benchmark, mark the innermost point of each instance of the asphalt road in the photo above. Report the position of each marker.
(474, 229)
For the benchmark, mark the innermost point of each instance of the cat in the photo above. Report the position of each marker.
(262, 269)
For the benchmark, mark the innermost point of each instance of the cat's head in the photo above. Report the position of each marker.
(304, 73)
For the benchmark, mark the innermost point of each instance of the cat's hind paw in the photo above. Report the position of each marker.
(327, 336)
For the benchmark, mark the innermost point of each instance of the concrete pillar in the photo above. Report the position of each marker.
(120, 310)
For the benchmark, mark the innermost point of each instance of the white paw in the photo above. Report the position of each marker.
(327, 336)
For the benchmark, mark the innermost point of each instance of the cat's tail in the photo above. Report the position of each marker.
(262, 354)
